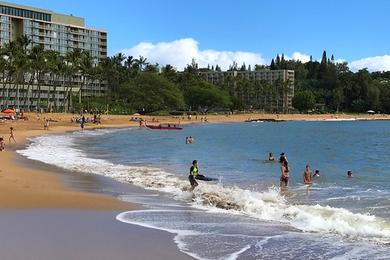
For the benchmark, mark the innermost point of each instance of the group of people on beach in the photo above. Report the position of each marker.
(307, 174)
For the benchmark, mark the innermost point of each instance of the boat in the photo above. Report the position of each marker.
(164, 127)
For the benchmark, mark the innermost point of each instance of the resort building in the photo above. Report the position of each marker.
(56, 32)
(283, 80)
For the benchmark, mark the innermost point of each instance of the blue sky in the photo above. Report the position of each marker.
(351, 30)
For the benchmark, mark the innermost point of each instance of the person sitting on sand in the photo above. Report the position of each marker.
(349, 174)
(271, 157)
(2, 144)
(284, 176)
(307, 175)
(317, 173)
(194, 171)
(11, 135)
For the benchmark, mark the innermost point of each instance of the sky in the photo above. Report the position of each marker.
(252, 31)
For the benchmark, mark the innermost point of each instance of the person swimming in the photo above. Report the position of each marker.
(271, 157)
(349, 174)
(307, 175)
(316, 173)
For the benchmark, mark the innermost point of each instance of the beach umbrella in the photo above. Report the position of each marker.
(8, 111)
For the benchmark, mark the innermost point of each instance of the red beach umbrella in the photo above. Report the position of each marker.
(8, 111)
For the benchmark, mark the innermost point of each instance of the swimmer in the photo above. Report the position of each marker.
(282, 158)
(349, 174)
(271, 157)
(307, 175)
(284, 175)
(316, 173)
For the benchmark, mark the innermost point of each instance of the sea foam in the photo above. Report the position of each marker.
(270, 205)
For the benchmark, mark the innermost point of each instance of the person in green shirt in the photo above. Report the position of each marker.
(194, 171)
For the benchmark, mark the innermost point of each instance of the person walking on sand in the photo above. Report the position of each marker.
(11, 135)
(194, 171)
(284, 176)
(2, 144)
(307, 178)
(46, 125)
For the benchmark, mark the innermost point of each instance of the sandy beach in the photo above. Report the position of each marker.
(37, 203)
(26, 187)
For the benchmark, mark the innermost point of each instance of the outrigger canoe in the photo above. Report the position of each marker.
(164, 127)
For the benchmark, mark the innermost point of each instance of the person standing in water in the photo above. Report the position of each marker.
(271, 157)
(307, 179)
(349, 174)
(282, 158)
(284, 176)
(194, 171)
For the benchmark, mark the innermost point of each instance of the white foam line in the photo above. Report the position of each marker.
(265, 206)
(178, 233)
(236, 254)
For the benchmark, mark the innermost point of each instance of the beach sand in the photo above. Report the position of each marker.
(43, 217)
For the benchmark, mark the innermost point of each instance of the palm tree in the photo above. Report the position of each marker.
(85, 68)
(141, 63)
(37, 66)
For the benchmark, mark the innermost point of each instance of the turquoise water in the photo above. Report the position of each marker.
(237, 153)
(245, 215)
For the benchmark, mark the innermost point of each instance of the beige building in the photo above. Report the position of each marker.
(285, 77)
(54, 31)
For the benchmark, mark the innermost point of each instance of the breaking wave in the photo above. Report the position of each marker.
(270, 205)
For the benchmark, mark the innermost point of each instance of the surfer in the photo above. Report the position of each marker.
(284, 176)
(194, 171)
(307, 175)
(271, 157)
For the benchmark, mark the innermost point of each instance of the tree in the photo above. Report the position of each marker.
(151, 92)
(303, 101)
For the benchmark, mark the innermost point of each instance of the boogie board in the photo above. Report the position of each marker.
(204, 178)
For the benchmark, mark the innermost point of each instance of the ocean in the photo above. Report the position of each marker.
(245, 215)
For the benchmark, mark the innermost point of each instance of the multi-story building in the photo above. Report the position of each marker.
(284, 94)
(54, 31)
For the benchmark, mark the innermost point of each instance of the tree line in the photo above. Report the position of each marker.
(124, 84)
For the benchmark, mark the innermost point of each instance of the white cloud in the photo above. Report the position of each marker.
(180, 52)
(377, 63)
(300, 56)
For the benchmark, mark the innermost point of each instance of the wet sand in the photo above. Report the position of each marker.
(66, 234)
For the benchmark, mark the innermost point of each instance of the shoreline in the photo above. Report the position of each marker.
(41, 202)
(25, 187)
(45, 193)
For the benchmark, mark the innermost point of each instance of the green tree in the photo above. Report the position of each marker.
(304, 101)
